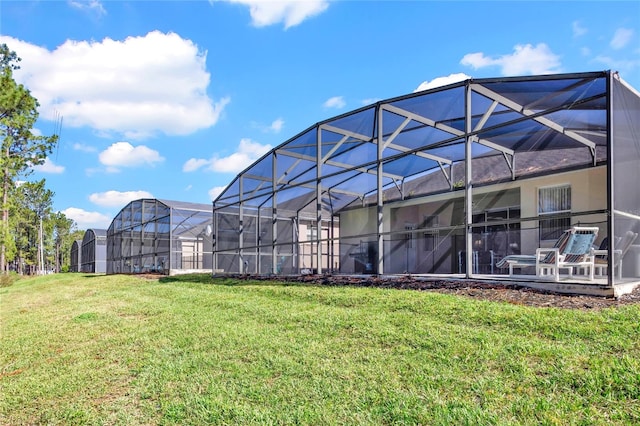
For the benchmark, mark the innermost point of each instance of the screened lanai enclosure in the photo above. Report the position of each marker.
(76, 256)
(160, 236)
(93, 251)
(521, 178)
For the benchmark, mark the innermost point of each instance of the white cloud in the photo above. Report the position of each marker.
(84, 148)
(87, 220)
(526, 59)
(624, 65)
(335, 102)
(442, 81)
(93, 6)
(215, 191)
(478, 60)
(117, 198)
(123, 154)
(277, 125)
(621, 38)
(49, 167)
(290, 12)
(248, 152)
(578, 29)
(194, 164)
(369, 101)
(107, 84)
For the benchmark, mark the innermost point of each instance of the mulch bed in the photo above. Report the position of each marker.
(498, 292)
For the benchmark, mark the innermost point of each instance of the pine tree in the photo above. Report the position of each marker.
(21, 149)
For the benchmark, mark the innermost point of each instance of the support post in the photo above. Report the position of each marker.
(468, 190)
(379, 198)
(318, 241)
(274, 213)
(258, 240)
(611, 199)
(240, 229)
(214, 235)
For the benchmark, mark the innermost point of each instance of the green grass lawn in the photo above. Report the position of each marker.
(78, 349)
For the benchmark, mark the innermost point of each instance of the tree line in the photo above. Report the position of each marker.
(33, 238)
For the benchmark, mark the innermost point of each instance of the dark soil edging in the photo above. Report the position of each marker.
(498, 292)
(482, 290)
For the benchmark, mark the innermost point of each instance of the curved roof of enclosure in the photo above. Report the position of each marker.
(424, 133)
(186, 205)
(186, 215)
(92, 234)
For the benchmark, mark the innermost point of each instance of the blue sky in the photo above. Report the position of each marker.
(170, 100)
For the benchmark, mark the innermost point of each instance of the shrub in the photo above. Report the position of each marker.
(8, 279)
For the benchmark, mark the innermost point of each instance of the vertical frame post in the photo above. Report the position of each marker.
(274, 213)
(318, 240)
(379, 199)
(240, 227)
(258, 239)
(214, 234)
(468, 189)
(611, 207)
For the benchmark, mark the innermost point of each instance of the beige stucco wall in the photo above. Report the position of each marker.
(307, 258)
(588, 192)
(358, 222)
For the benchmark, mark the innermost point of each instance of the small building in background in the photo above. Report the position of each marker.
(160, 236)
(93, 253)
(76, 256)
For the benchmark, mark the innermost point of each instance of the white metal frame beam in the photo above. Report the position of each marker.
(530, 113)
